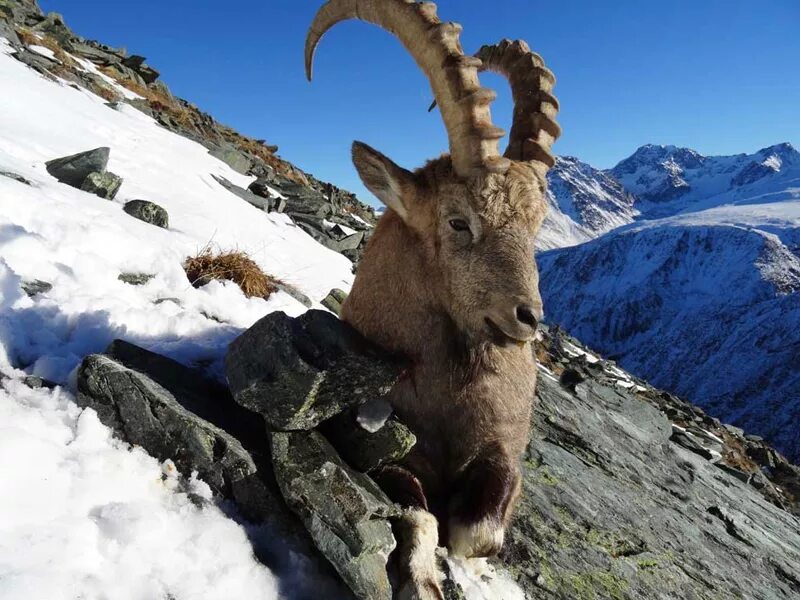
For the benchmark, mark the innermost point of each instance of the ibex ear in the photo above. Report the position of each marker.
(389, 182)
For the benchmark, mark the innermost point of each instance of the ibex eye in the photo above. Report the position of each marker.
(459, 224)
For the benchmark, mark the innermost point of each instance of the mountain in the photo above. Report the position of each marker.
(129, 471)
(667, 180)
(584, 203)
(703, 302)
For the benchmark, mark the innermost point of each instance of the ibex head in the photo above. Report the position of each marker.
(474, 213)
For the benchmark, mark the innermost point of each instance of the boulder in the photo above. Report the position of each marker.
(300, 372)
(344, 511)
(261, 202)
(106, 185)
(147, 211)
(334, 300)
(15, 176)
(74, 169)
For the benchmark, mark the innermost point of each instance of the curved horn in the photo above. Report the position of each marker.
(534, 128)
(453, 77)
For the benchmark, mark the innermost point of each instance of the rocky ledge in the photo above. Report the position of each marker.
(629, 492)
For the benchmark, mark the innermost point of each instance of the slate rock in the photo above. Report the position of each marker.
(146, 414)
(147, 211)
(334, 300)
(300, 372)
(74, 169)
(106, 184)
(344, 511)
(137, 64)
(264, 204)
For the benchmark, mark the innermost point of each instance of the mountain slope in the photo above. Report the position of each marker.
(584, 203)
(706, 305)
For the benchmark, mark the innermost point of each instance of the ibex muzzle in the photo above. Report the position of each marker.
(449, 280)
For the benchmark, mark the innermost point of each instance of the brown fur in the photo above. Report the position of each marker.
(426, 291)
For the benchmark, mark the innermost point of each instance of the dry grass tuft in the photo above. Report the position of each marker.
(232, 265)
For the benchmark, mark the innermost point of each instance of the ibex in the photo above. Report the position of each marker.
(449, 280)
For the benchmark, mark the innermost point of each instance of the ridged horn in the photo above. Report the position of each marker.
(436, 48)
(534, 127)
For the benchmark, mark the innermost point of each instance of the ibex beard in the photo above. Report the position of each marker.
(449, 281)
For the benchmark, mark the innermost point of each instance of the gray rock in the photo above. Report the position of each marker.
(106, 185)
(334, 300)
(36, 286)
(135, 278)
(233, 157)
(263, 203)
(6, 30)
(611, 508)
(344, 511)
(300, 372)
(74, 169)
(147, 211)
(294, 293)
(144, 413)
(137, 64)
(15, 176)
(365, 450)
(36, 383)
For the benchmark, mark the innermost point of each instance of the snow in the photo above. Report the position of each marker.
(360, 220)
(89, 67)
(46, 52)
(81, 243)
(81, 514)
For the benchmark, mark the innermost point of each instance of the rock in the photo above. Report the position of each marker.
(6, 30)
(300, 372)
(137, 64)
(135, 278)
(233, 157)
(36, 383)
(344, 511)
(363, 449)
(264, 204)
(261, 187)
(350, 242)
(36, 286)
(334, 300)
(147, 211)
(145, 414)
(74, 169)
(106, 185)
(15, 177)
(294, 293)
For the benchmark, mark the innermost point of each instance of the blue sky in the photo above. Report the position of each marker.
(720, 76)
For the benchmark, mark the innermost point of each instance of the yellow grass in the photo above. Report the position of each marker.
(232, 265)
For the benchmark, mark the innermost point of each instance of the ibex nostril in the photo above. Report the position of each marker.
(525, 315)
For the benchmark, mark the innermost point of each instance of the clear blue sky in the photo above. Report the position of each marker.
(720, 76)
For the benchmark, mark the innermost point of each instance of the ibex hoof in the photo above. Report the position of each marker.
(420, 535)
(473, 540)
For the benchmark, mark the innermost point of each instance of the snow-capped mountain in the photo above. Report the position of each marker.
(706, 302)
(667, 180)
(584, 203)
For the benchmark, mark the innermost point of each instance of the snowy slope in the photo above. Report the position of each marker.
(584, 203)
(95, 518)
(704, 304)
